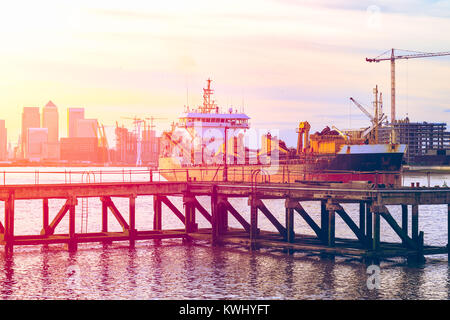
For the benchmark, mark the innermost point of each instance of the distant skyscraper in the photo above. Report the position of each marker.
(37, 144)
(87, 128)
(30, 119)
(50, 120)
(3, 141)
(73, 115)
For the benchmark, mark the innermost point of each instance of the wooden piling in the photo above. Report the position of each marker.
(189, 213)
(404, 220)
(253, 220)
(104, 216)
(331, 223)
(132, 219)
(222, 215)
(72, 244)
(157, 213)
(324, 220)
(368, 222)
(45, 213)
(362, 217)
(9, 223)
(376, 231)
(214, 214)
(415, 223)
(290, 233)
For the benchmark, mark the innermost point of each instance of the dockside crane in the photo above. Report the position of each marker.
(376, 119)
(392, 58)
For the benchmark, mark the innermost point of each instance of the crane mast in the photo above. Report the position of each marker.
(394, 57)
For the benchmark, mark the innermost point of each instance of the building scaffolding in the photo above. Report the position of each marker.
(420, 137)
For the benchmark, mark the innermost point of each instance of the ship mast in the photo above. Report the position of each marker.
(208, 105)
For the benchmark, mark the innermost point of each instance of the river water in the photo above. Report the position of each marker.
(173, 269)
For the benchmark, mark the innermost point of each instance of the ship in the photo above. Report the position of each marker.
(208, 144)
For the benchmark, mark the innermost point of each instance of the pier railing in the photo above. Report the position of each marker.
(283, 174)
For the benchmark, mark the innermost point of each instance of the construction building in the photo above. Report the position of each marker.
(424, 141)
(126, 146)
(149, 148)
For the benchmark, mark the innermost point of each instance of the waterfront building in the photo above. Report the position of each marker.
(87, 128)
(30, 119)
(37, 144)
(80, 149)
(73, 115)
(50, 120)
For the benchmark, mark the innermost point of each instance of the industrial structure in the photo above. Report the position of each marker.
(137, 147)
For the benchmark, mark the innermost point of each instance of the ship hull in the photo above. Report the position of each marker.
(280, 173)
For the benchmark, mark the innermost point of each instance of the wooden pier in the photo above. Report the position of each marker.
(372, 203)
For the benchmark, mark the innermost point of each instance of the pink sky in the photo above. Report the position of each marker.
(288, 61)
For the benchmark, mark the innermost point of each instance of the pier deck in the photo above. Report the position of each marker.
(372, 203)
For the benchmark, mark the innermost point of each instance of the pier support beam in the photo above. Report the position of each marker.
(415, 222)
(214, 215)
(290, 233)
(331, 235)
(9, 223)
(377, 210)
(404, 220)
(189, 203)
(369, 223)
(104, 216)
(237, 216)
(261, 206)
(359, 233)
(254, 231)
(157, 213)
(202, 210)
(172, 208)
(132, 220)
(116, 213)
(324, 221)
(317, 230)
(45, 212)
(222, 214)
(362, 217)
(72, 244)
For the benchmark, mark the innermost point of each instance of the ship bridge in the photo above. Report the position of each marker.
(214, 120)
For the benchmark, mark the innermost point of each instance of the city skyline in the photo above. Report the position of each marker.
(285, 61)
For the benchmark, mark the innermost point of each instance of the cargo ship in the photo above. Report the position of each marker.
(208, 144)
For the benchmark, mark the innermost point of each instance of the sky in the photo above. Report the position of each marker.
(282, 62)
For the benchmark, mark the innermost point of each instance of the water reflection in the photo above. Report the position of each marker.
(8, 281)
(176, 270)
